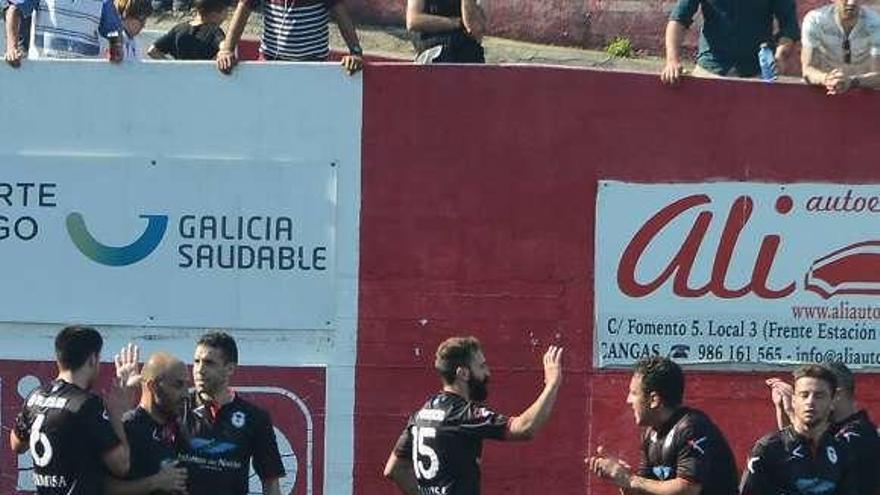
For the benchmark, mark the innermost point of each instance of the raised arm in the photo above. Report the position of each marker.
(529, 422)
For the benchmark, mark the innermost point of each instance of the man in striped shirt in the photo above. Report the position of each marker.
(294, 30)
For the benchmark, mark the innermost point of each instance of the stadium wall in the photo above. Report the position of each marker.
(463, 201)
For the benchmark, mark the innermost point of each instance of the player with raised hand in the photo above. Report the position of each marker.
(440, 449)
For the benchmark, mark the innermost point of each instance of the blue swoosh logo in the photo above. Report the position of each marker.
(117, 255)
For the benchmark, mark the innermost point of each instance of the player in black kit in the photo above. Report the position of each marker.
(72, 437)
(683, 452)
(803, 458)
(153, 428)
(849, 424)
(439, 451)
(227, 432)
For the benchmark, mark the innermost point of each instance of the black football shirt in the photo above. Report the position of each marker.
(859, 434)
(224, 442)
(67, 430)
(153, 445)
(785, 463)
(444, 440)
(689, 446)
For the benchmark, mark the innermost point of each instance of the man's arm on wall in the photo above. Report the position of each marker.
(417, 20)
(13, 25)
(673, 69)
(226, 57)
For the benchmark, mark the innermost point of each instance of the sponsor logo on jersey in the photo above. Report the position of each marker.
(815, 486)
(662, 473)
(211, 446)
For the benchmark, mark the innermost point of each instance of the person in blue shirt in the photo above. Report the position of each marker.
(732, 33)
(63, 29)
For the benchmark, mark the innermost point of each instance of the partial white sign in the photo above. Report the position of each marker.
(168, 242)
(740, 274)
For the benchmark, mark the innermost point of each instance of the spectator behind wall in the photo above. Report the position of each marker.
(732, 33)
(197, 39)
(293, 31)
(63, 29)
(446, 30)
(841, 47)
(134, 15)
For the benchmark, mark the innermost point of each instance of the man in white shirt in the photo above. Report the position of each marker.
(841, 47)
(63, 29)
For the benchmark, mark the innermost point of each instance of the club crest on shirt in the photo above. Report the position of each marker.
(832, 454)
(237, 419)
(662, 473)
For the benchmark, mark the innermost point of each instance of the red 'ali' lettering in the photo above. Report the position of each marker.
(682, 263)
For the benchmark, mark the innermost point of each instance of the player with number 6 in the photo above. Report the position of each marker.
(72, 436)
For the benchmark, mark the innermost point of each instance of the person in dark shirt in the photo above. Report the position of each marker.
(850, 425)
(72, 437)
(153, 429)
(683, 452)
(804, 458)
(447, 31)
(732, 33)
(198, 39)
(227, 433)
(439, 450)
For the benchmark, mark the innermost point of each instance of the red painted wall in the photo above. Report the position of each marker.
(479, 187)
(584, 23)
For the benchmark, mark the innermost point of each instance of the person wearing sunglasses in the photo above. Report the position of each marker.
(841, 47)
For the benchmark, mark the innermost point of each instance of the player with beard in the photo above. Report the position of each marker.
(803, 458)
(227, 432)
(439, 451)
(153, 428)
(72, 437)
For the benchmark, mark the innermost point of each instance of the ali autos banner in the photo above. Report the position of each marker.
(172, 242)
(739, 275)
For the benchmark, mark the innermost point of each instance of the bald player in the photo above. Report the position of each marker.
(153, 426)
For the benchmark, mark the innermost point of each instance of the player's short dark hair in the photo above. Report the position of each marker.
(222, 341)
(818, 372)
(210, 6)
(663, 376)
(453, 353)
(74, 344)
(845, 379)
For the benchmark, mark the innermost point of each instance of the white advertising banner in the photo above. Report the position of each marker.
(739, 275)
(168, 242)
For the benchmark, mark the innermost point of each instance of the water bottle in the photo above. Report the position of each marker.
(767, 61)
